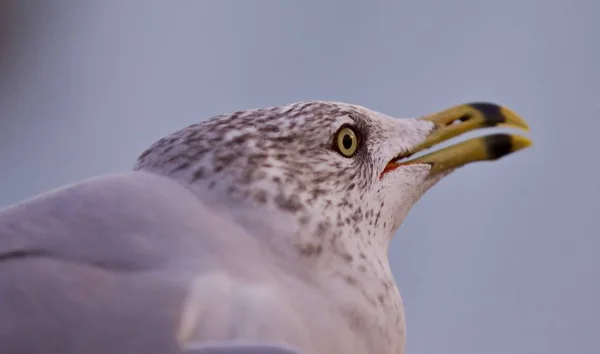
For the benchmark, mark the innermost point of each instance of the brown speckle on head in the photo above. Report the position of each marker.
(310, 250)
(199, 173)
(290, 203)
(347, 257)
(351, 280)
(260, 196)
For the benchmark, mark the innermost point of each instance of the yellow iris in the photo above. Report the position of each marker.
(346, 141)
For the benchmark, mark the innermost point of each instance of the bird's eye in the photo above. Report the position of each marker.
(346, 141)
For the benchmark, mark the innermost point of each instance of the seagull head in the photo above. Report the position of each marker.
(329, 170)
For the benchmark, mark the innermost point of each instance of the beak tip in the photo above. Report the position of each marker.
(500, 145)
(520, 142)
(515, 120)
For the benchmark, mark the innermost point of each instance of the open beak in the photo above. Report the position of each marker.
(459, 120)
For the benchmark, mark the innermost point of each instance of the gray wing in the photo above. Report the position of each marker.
(89, 268)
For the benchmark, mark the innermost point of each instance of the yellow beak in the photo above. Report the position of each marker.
(459, 120)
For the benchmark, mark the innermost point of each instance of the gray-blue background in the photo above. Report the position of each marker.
(498, 258)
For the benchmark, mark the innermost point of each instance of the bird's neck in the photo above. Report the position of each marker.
(345, 254)
(352, 267)
(352, 271)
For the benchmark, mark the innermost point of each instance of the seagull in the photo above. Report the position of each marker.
(257, 231)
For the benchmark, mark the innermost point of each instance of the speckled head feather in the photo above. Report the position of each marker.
(284, 159)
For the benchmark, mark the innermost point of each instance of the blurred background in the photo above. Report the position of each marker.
(497, 258)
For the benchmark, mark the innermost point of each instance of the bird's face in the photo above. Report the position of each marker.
(344, 165)
(376, 152)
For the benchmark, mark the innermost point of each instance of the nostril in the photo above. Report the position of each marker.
(459, 120)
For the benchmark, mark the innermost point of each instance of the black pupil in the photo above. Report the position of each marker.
(347, 141)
